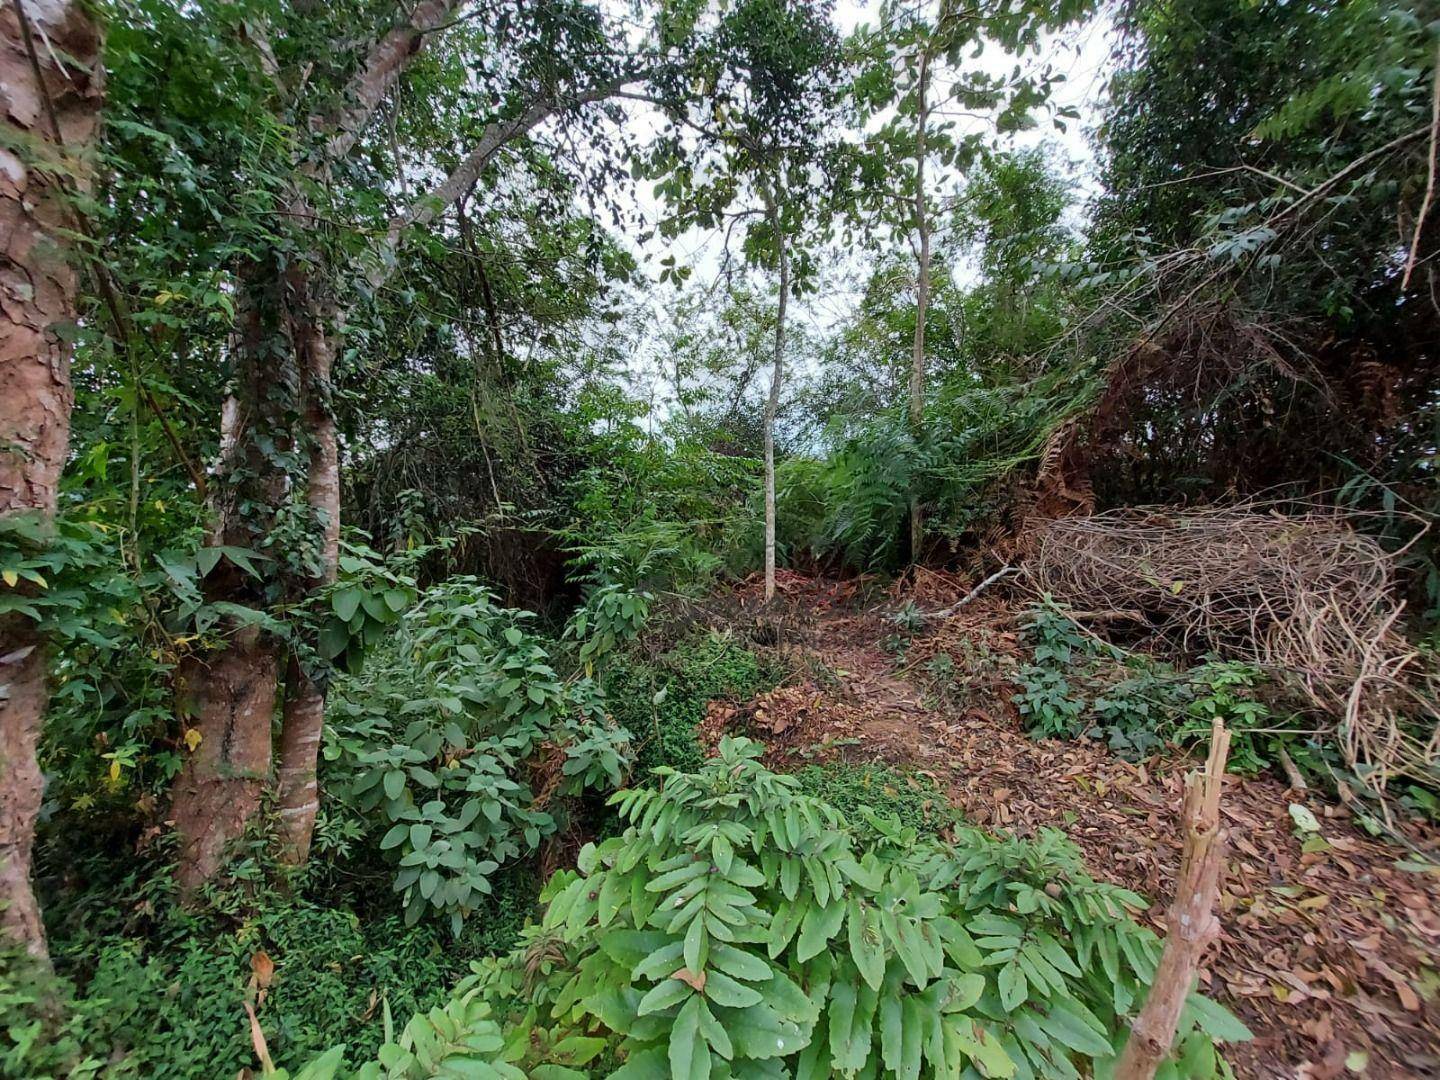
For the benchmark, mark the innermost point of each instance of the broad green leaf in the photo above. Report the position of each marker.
(817, 928)
(689, 1053)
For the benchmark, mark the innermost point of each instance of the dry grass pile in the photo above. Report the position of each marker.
(1307, 597)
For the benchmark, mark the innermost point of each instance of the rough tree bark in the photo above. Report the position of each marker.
(772, 402)
(230, 695)
(50, 107)
(1192, 921)
(219, 791)
(922, 291)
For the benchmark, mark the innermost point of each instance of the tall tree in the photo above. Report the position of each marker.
(922, 76)
(51, 85)
(519, 66)
(749, 152)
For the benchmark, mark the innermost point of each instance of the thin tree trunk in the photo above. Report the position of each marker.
(1192, 922)
(48, 111)
(772, 403)
(922, 295)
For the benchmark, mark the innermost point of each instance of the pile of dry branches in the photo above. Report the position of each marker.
(1307, 597)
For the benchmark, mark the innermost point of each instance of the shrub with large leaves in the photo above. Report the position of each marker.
(739, 928)
(441, 739)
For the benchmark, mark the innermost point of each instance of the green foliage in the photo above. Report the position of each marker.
(852, 506)
(153, 992)
(360, 609)
(611, 617)
(1077, 685)
(863, 792)
(663, 701)
(739, 927)
(657, 517)
(436, 743)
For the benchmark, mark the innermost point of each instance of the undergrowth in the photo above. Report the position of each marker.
(1076, 684)
(661, 701)
(147, 988)
(859, 790)
(742, 928)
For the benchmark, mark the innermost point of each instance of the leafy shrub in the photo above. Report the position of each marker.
(437, 742)
(1078, 686)
(739, 927)
(612, 616)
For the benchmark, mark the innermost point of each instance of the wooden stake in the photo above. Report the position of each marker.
(1192, 921)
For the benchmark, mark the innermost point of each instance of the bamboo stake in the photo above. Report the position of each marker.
(1192, 921)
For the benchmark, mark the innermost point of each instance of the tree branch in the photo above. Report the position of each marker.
(381, 69)
(465, 175)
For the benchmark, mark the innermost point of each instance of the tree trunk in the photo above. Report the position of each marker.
(48, 110)
(232, 693)
(922, 296)
(772, 403)
(297, 789)
(219, 791)
(1192, 922)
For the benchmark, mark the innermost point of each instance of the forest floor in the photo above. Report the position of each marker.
(1332, 956)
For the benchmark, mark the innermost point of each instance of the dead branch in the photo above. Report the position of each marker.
(1192, 921)
(945, 613)
(1305, 596)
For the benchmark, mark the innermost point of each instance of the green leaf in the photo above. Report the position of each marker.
(714, 1032)
(346, 602)
(664, 994)
(1069, 1026)
(760, 1032)
(723, 990)
(644, 1065)
(394, 783)
(1216, 1020)
(740, 964)
(817, 928)
(689, 1053)
(1013, 989)
(866, 947)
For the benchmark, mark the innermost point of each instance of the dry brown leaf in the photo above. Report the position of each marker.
(693, 979)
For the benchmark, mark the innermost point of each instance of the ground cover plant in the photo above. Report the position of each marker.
(739, 927)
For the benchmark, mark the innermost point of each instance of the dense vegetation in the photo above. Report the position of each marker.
(392, 393)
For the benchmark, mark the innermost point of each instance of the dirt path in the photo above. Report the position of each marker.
(1329, 955)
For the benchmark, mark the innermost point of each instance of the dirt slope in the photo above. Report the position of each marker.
(1330, 956)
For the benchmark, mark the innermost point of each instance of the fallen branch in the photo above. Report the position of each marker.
(1192, 922)
(945, 613)
(1297, 782)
